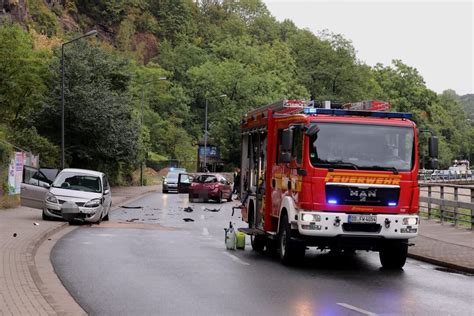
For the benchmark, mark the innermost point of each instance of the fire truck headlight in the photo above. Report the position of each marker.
(311, 218)
(410, 221)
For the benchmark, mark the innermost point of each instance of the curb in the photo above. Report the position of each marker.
(31, 255)
(442, 263)
(33, 247)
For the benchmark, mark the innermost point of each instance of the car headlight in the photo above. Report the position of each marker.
(50, 197)
(410, 221)
(311, 217)
(93, 203)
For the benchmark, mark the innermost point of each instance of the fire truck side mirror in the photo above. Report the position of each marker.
(433, 163)
(433, 147)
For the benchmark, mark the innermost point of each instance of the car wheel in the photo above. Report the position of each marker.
(46, 217)
(290, 252)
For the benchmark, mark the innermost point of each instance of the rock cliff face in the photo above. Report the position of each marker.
(17, 10)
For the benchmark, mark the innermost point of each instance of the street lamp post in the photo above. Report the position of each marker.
(205, 129)
(142, 105)
(90, 33)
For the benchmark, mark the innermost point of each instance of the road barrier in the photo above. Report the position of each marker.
(454, 178)
(450, 203)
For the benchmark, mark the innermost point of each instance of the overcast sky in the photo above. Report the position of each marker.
(435, 37)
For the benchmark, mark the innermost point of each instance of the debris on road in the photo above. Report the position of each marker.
(188, 209)
(188, 219)
(36, 224)
(131, 207)
(14, 234)
(132, 220)
(212, 209)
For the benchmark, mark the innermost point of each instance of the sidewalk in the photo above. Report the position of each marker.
(22, 231)
(444, 245)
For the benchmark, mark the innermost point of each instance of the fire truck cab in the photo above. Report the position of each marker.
(338, 179)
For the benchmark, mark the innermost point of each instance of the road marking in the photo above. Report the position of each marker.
(236, 259)
(357, 309)
(205, 232)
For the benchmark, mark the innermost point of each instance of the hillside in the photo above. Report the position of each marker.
(204, 49)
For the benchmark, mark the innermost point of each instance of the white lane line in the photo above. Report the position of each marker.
(357, 309)
(236, 259)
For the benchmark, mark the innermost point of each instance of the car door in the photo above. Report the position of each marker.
(107, 193)
(184, 182)
(34, 187)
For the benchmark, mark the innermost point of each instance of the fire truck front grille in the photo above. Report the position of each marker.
(353, 195)
(365, 228)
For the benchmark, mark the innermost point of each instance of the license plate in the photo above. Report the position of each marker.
(357, 218)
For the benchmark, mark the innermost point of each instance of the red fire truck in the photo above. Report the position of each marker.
(338, 179)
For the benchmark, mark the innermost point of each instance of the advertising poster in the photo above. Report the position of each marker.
(11, 177)
(19, 162)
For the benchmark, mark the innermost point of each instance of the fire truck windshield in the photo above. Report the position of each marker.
(362, 146)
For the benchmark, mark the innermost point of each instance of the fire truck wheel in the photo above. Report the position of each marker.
(258, 242)
(393, 254)
(290, 252)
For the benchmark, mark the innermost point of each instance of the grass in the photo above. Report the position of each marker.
(463, 215)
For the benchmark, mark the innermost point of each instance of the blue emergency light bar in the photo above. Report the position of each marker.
(338, 112)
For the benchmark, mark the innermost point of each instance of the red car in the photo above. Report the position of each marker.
(210, 186)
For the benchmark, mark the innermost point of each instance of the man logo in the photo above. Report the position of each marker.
(363, 194)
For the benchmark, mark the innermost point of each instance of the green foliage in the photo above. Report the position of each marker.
(468, 103)
(44, 20)
(107, 12)
(28, 138)
(101, 130)
(22, 74)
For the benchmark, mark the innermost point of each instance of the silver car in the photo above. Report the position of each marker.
(74, 195)
(170, 182)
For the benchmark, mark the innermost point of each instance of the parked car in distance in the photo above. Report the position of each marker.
(210, 187)
(170, 181)
(75, 194)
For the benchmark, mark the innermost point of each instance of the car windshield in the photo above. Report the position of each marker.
(172, 176)
(77, 182)
(358, 146)
(205, 179)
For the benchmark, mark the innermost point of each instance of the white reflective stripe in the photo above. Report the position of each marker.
(357, 309)
(364, 185)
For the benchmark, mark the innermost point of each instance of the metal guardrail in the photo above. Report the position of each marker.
(462, 178)
(449, 203)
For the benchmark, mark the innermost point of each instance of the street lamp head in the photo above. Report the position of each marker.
(162, 78)
(222, 95)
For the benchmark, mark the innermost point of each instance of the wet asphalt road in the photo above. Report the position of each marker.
(158, 264)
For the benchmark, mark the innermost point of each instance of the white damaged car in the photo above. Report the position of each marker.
(74, 195)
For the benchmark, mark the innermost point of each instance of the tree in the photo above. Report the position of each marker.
(101, 130)
(22, 74)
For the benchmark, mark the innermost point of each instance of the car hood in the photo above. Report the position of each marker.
(74, 196)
